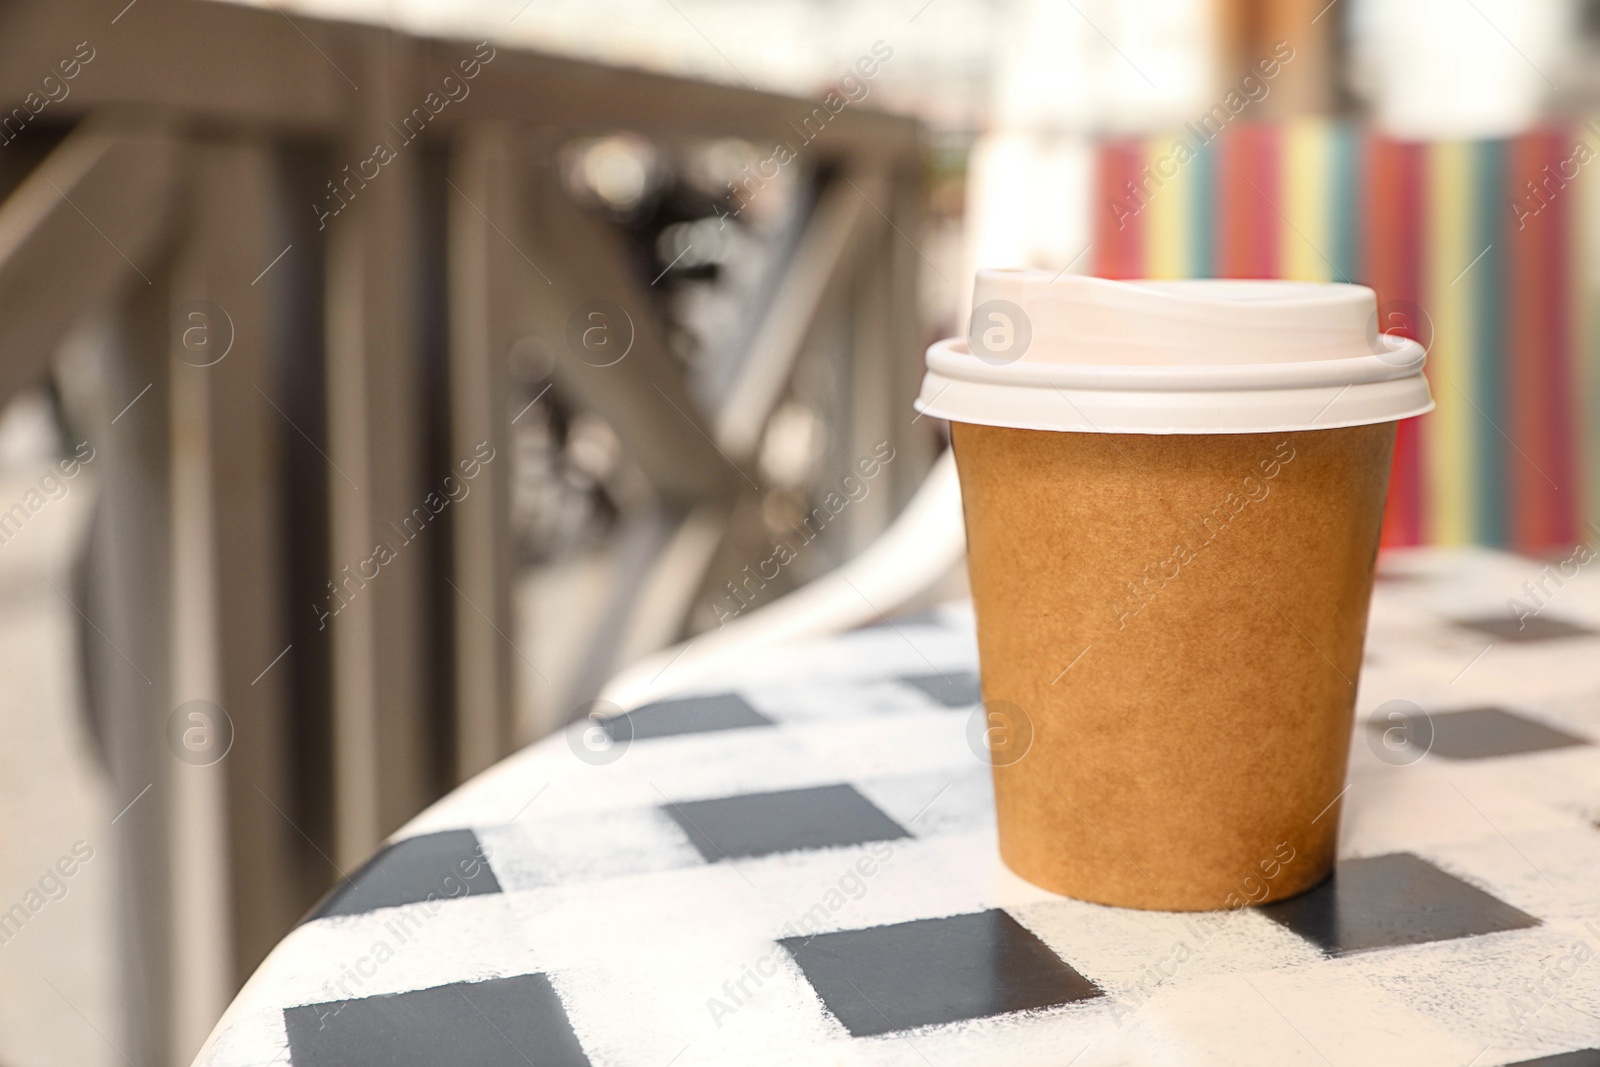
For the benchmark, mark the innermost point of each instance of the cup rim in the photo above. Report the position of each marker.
(1220, 398)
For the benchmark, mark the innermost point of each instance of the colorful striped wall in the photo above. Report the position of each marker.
(1473, 248)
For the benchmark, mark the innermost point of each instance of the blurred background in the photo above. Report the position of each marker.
(381, 378)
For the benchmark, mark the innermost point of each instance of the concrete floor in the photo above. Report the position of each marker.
(59, 998)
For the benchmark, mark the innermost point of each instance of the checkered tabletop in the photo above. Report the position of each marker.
(798, 866)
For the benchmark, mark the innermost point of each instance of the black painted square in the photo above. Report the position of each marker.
(1397, 899)
(1532, 628)
(447, 865)
(1482, 733)
(933, 971)
(1587, 1057)
(759, 824)
(953, 689)
(498, 1023)
(693, 715)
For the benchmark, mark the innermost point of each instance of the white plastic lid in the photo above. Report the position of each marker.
(1213, 356)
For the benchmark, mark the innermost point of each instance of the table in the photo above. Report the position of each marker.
(799, 867)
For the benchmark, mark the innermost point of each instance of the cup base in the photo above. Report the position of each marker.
(1302, 871)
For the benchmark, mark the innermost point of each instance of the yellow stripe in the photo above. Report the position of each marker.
(1305, 249)
(1167, 214)
(1447, 432)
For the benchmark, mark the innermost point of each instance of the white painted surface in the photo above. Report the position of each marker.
(604, 893)
(59, 991)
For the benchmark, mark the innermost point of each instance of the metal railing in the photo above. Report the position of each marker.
(302, 256)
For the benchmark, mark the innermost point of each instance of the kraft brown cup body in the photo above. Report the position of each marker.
(1210, 594)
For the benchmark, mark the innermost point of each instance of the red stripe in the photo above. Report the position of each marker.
(1266, 160)
(1237, 204)
(1535, 372)
(1118, 210)
(1540, 381)
(1394, 225)
(1249, 195)
(1562, 387)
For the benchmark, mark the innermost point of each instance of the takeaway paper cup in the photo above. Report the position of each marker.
(1173, 494)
